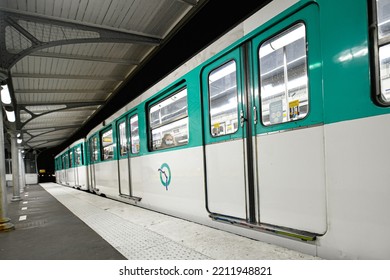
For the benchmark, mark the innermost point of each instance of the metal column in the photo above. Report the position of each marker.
(5, 222)
(22, 171)
(15, 167)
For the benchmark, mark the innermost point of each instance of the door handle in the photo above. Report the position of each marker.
(242, 118)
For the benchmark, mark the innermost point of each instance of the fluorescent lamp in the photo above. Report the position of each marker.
(5, 96)
(10, 116)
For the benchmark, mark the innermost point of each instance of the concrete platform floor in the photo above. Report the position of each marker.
(64, 223)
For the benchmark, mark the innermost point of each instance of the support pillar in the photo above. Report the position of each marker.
(15, 168)
(5, 222)
(22, 171)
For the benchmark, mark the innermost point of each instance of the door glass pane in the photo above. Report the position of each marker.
(134, 135)
(169, 121)
(223, 100)
(94, 149)
(107, 145)
(283, 77)
(122, 139)
(383, 19)
(78, 157)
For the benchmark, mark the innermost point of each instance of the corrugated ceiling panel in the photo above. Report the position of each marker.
(80, 72)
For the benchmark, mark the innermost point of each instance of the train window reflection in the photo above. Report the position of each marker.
(223, 100)
(283, 77)
(134, 135)
(78, 156)
(383, 20)
(71, 158)
(122, 139)
(94, 149)
(169, 121)
(107, 145)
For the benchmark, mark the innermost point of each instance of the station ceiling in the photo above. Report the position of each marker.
(72, 63)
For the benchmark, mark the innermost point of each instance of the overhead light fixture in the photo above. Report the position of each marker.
(10, 116)
(5, 96)
(19, 141)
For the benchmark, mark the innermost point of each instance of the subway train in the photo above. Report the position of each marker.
(278, 131)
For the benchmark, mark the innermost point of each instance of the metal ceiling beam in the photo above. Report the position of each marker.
(189, 2)
(86, 58)
(32, 140)
(67, 77)
(67, 104)
(61, 91)
(55, 128)
(103, 34)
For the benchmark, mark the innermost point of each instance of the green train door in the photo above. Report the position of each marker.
(225, 125)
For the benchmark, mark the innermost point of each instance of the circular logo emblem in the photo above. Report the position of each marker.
(165, 175)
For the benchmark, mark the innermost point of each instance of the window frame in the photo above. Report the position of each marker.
(268, 39)
(160, 100)
(103, 147)
(130, 138)
(237, 65)
(376, 44)
(120, 138)
(77, 164)
(91, 149)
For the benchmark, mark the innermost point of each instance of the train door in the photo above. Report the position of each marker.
(134, 150)
(264, 134)
(94, 157)
(77, 163)
(128, 143)
(123, 159)
(290, 132)
(224, 130)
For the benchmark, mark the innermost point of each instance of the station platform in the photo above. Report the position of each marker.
(53, 222)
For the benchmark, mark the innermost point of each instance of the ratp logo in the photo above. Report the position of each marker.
(165, 175)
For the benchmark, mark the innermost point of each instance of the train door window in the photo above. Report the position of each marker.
(382, 19)
(71, 162)
(107, 145)
(78, 155)
(122, 138)
(168, 121)
(134, 135)
(223, 99)
(94, 149)
(283, 77)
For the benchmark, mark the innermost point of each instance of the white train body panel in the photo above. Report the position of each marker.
(357, 189)
(226, 179)
(291, 173)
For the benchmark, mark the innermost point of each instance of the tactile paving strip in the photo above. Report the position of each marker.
(133, 241)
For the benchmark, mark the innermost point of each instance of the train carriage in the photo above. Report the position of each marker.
(276, 131)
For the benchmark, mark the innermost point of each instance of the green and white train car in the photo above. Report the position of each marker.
(71, 166)
(278, 131)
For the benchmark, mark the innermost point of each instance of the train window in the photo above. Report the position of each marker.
(223, 100)
(134, 135)
(383, 38)
(64, 162)
(94, 149)
(107, 145)
(122, 138)
(283, 77)
(169, 121)
(71, 158)
(78, 156)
